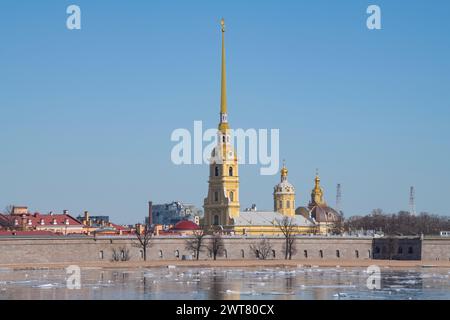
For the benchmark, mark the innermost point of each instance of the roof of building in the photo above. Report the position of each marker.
(267, 218)
(186, 225)
(38, 219)
(320, 213)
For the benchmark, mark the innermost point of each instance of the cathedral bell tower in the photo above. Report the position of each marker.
(222, 203)
(284, 195)
(317, 193)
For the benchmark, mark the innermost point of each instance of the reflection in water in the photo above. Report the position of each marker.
(225, 283)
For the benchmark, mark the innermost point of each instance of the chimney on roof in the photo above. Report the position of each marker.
(65, 211)
(150, 213)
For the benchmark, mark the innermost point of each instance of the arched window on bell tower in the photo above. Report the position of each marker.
(231, 196)
(216, 220)
(230, 171)
(216, 171)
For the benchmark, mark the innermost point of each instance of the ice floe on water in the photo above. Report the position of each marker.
(49, 286)
(303, 282)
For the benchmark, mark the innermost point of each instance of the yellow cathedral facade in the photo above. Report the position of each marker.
(222, 204)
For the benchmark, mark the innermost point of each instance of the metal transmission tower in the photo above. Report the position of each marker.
(339, 198)
(412, 201)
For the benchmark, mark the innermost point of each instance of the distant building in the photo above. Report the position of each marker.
(89, 220)
(100, 225)
(171, 213)
(21, 220)
(325, 217)
(184, 228)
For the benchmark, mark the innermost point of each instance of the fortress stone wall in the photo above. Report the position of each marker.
(436, 249)
(67, 249)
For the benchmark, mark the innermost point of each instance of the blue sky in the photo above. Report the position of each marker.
(86, 115)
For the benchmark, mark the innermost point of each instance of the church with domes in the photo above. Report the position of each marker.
(222, 203)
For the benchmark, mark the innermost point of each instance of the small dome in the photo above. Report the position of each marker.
(284, 187)
(186, 225)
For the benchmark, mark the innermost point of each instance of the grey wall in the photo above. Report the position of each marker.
(39, 250)
(397, 248)
(65, 249)
(437, 249)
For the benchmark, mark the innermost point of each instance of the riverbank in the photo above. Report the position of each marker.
(236, 264)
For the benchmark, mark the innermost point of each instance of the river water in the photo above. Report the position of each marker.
(225, 283)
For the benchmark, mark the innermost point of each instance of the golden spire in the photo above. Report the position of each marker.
(317, 192)
(223, 98)
(284, 171)
(317, 181)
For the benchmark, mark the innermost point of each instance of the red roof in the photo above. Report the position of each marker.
(37, 219)
(186, 225)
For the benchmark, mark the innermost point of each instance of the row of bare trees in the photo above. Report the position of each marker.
(401, 223)
(206, 239)
(211, 240)
(203, 238)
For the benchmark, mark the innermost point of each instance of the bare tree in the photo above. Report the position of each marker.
(401, 223)
(9, 209)
(338, 226)
(196, 243)
(121, 254)
(287, 228)
(216, 245)
(144, 238)
(7, 220)
(262, 249)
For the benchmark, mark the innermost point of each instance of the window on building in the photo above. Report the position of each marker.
(177, 253)
(122, 255)
(231, 196)
(369, 254)
(321, 253)
(280, 203)
(216, 171)
(338, 254)
(305, 253)
(377, 250)
(216, 196)
(225, 253)
(242, 253)
(257, 254)
(142, 254)
(230, 171)
(288, 204)
(161, 254)
(400, 250)
(273, 254)
(216, 220)
(410, 250)
(101, 255)
(357, 254)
